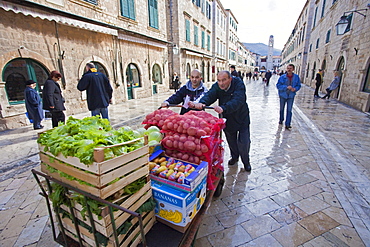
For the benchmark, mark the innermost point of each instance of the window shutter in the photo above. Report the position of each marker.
(187, 28)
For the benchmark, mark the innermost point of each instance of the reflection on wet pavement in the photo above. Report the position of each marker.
(287, 199)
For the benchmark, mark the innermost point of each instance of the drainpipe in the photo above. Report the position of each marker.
(60, 57)
(170, 49)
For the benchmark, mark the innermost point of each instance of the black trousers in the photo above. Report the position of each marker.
(317, 89)
(56, 117)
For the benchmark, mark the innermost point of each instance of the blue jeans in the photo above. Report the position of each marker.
(239, 144)
(100, 111)
(289, 103)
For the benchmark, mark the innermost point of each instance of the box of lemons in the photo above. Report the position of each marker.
(176, 206)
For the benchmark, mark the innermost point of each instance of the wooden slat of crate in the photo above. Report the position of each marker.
(102, 167)
(103, 192)
(148, 222)
(103, 223)
(97, 180)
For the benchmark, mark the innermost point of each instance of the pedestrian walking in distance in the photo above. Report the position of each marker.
(318, 79)
(287, 85)
(268, 77)
(98, 90)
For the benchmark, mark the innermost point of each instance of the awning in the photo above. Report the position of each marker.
(193, 54)
(44, 15)
(130, 38)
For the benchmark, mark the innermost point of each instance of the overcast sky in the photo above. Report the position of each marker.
(258, 19)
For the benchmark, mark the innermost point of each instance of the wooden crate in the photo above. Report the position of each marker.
(100, 175)
(104, 225)
(125, 239)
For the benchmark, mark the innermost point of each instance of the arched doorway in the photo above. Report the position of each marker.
(133, 79)
(188, 71)
(208, 72)
(340, 69)
(202, 69)
(17, 72)
(156, 77)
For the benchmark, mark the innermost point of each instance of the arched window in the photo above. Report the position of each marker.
(313, 71)
(17, 72)
(101, 68)
(133, 76)
(156, 74)
(188, 71)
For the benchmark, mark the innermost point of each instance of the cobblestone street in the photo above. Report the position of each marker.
(309, 186)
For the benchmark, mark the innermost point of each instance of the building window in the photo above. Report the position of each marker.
(304, 29)
(308, 70)
(153, 13)
(327, 40)
(128, 9)
(157, 74)
(203, 39)
(310, 48)
(195, 35)
(92, 1)
(313, 71)
(334, 1)
(208, 42)
(198, 3)
(187, 28)
(133, 76)
(367, 81)
(208, 10)
(17, 72)
(323, 8)
(317, 43)
(314, 18)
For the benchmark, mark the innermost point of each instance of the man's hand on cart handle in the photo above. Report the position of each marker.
(218, 109)
(198, 106)
(164, 105)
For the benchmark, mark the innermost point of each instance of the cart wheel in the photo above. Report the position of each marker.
(220, 186)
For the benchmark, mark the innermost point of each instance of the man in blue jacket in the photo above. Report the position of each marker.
(98, 90)
(288, 84)
(192, 91)
(232, 104)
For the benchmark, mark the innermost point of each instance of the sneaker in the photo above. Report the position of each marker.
(288, 127)
(280, 122)
(37, 128)
(232, 162)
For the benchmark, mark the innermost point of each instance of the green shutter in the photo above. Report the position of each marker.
(203, 39)
(128, 8)
(153, 13)
(195, 35)
(187, 28)
(208, 42)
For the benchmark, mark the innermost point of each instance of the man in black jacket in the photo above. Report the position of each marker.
(232, 99)
(98, 89)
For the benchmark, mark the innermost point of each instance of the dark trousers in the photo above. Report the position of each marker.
(239, 144)
(317, 89)
(56, 117)
(327, 95)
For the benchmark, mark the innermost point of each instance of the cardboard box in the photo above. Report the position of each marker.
(190, 182)
(178, 207)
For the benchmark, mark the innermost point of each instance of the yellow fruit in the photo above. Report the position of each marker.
(161, 169)
(164, 163)
(152, 165)
(169, 173)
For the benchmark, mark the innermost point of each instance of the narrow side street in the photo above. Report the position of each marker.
(308, 186)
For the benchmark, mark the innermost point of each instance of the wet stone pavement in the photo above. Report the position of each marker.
(308, 186)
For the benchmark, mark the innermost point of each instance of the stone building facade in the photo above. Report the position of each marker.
(40, 36)
(135, 44)
(348, 53)
(191, 25)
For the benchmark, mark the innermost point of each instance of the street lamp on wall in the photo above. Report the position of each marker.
(346, 19)
(175, 49)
